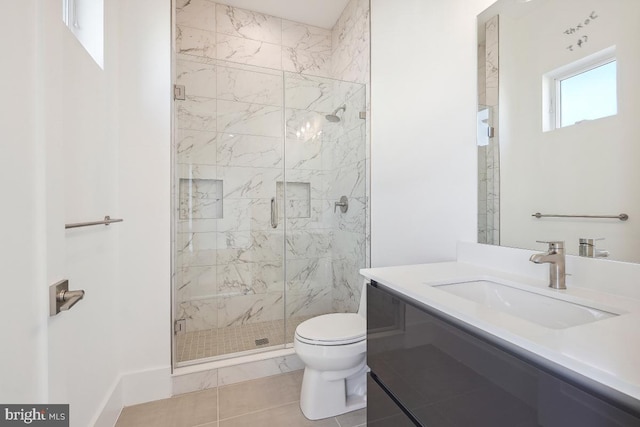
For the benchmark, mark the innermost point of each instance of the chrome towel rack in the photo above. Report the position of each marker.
(106, 221)
(621, 217)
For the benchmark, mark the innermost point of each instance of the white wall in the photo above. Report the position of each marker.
(23, 354)
(590, 168)
(78, 124)
(80, 142)
(144, 180)
(423, 152)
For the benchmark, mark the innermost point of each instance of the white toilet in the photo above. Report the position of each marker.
(333, 348)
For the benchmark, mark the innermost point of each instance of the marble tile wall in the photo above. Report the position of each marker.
(234, 128)
(222, 32)
(350, 43)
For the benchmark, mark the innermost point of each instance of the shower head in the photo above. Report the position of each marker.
(333, 117)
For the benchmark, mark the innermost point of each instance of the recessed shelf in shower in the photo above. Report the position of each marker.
(200, 198)
(298, 198)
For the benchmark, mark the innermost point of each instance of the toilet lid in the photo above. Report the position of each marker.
(336, 328)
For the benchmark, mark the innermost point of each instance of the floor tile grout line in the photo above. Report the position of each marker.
(206, 424)
(260, 410)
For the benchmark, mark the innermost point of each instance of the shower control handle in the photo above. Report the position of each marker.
(274, 213)
(343, 203)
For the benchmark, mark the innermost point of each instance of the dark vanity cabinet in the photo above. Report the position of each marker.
(429, 369)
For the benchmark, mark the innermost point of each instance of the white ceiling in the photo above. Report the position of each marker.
(319, 13)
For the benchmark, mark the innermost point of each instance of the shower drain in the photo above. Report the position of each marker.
(262, 341)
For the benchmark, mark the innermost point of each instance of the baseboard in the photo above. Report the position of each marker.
(111, 406)
(130, 389)
(146, 386)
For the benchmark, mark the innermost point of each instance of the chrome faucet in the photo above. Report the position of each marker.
(555, 257)
(588, 249)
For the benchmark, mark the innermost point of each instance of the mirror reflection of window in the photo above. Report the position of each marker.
(586, 89)
(590, 95)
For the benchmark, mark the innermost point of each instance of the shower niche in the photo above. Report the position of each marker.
(258, 166)
(298, 199)
(200, 198)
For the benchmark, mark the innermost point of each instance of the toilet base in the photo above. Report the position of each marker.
(324, 397)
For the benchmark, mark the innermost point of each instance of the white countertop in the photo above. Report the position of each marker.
(607, 351)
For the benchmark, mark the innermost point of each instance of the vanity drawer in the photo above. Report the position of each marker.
(445, 374)
(382, 410)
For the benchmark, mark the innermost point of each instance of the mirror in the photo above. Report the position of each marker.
(559, 125)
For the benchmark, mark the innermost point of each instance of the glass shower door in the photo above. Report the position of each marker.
(325, 196)
(229, 234)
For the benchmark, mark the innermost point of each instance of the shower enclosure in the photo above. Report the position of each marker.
(264, 161)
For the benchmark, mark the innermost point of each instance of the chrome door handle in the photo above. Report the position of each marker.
(61, 298)
(274, 213)
(69, 299)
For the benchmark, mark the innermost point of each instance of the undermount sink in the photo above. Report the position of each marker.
(543, 310)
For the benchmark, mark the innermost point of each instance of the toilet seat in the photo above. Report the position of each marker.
(333, 329)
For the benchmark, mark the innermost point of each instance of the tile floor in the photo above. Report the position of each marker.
(272, 401)
(234, 339)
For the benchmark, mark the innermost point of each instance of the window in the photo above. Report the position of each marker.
(584, 90)
(85, 19)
